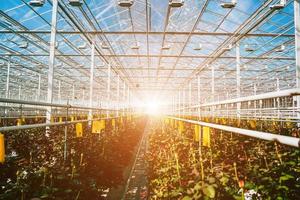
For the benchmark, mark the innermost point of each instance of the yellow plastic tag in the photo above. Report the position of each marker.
(253, 124)
(19, 122)
(72, 118)
(60, 119)
(102, 124)
(113, 123)
(79, 131)
(206, 137)
(180, 127)
(2, 148)
(97, 126)
(197, 133)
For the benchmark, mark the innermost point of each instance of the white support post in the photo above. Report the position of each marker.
(254, 89)
(118, 95)
(39, 88)
(184, 102)
(190, 98)
(297, 49)
(59, 91)
(90, 116)
(108, 88)
(199, 95)
(213, 89)
(73, 93)
(128, 98)
(124, 97)
(238, 80)
(179, 103)
(7, 79)
(51, 60)
(20, 90)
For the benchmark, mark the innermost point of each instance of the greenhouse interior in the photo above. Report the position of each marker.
(149, 99)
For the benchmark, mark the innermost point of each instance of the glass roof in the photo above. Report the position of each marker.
(155, 49)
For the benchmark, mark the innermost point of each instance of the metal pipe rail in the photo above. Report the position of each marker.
(269, 95)
(36, 103)
(286, 140)
(29, 126)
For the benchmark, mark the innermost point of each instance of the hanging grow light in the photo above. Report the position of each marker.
(82, 46)
(125, 3)
(229, 5)
(75, 2)
(279, 5)
(37, 3)
(23, 45)
(137, 46)
(280, 49)
(228, 48)
(176, 3)
(104, 46)
(248, 48)
(165, 47)
(198, 47)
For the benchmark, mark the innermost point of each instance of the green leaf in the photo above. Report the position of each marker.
(187, 198)
(209, 191)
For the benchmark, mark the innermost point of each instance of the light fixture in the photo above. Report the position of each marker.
(125, 3)
(82, 46)
(176, 3)
(248, 48)
(137, 46)
(279, 5)
(75, 2)
(280, 49)
(229, 5)
(228, 48)
(37, 3)
(104, 46)
(165, 47)
(23, 45)
(198, 47)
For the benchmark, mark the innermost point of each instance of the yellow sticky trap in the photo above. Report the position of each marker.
(197, 133)
(167, 120)
(206, 137)
(72, 118)
(180, 127)
(2, 148)
(19, 122)
(79, 131)
(102, 124)
(113, 123)
(253, 124)
(60, 119)
(96, 127)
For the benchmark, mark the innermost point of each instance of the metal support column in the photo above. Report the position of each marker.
(238, 80)
(190, 98)
(108, 88)
(297, 49)
(39, 89)
(59, 91)
(213, 89)
(20, 89)
(118, 95)
(199, 95)
(51, 60)
(7, 79)
(92, 79)
(73, 93)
